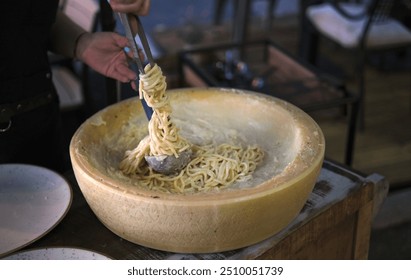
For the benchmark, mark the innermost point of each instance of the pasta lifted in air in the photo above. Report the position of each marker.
(210, 167)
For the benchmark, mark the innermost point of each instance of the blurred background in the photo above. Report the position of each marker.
(360, 54)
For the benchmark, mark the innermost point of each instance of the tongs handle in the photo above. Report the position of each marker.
(137, 64)
(144, 41)
(133, 44)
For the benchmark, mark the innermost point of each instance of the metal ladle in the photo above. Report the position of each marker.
(165, 164)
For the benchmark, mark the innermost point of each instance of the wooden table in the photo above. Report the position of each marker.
(335, 223)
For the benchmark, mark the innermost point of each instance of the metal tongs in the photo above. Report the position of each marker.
(165, 164)
(137, 64)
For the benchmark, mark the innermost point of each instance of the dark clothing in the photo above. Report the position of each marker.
(25, 28)
(29, 109)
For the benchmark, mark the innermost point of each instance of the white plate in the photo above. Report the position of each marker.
(33, 200)
(58, 253)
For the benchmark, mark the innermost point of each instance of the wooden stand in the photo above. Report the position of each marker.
(335, 223)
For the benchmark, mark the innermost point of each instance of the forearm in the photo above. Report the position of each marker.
(65, 35)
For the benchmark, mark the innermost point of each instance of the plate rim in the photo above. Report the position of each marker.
(77, 248)
(58, 221)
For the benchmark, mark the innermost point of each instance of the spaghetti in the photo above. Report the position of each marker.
(212, 167)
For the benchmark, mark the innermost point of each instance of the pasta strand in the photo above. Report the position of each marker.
(211, 167)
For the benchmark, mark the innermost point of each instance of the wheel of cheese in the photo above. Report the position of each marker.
(205, 222)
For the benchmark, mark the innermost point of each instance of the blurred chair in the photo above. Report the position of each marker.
(241, 16)
(360, 26)
(265, 67)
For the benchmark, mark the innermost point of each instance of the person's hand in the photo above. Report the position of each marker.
(137, 7)
(103, 51)
(131, 7)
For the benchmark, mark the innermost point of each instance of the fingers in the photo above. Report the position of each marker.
(120, 41)
(120, 70)
(130, 54)
(123, 74)
(126, 73)
(144, 8)
(134, 85)
(137, 7)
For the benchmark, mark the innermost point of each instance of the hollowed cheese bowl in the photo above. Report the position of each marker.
(224, 219)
